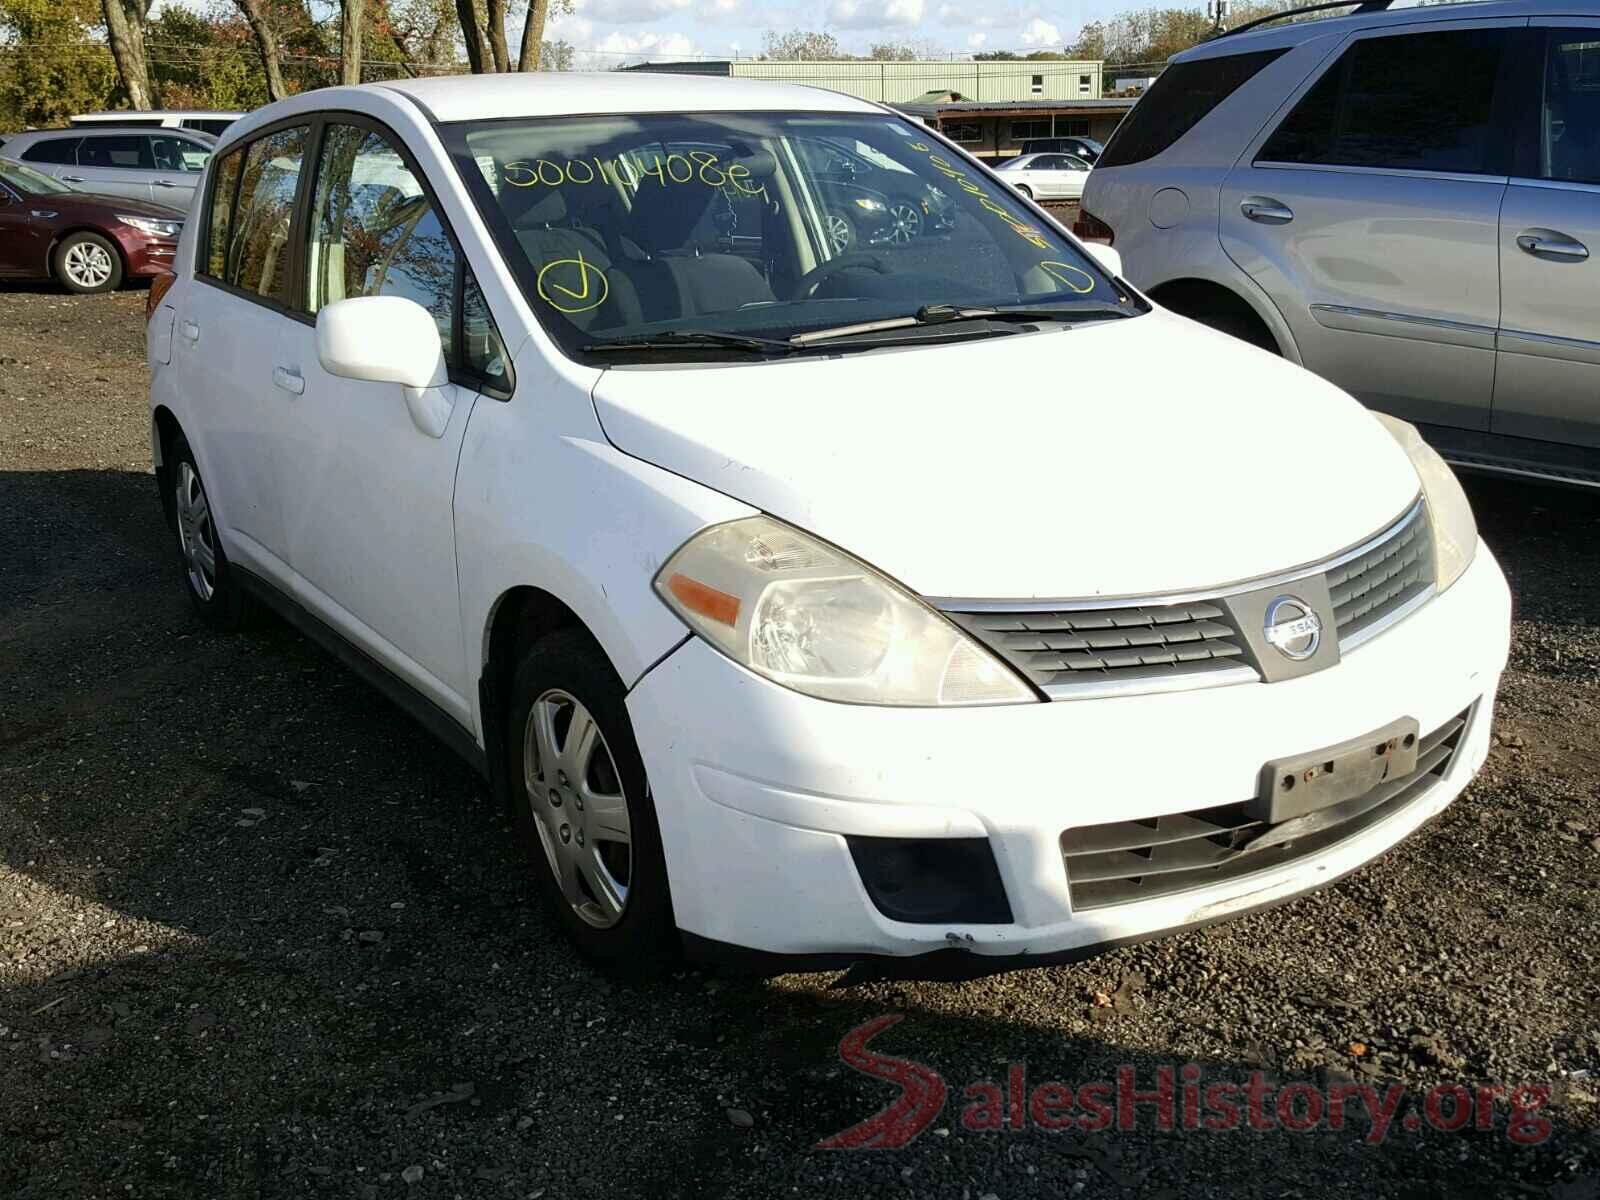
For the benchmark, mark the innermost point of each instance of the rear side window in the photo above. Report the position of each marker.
(1569, 124)
(130, 152)
(222, 193)
(1180, 98)
(259, 249)
(60, 151)
(1418, 102)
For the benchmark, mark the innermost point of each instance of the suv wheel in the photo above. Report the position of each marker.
(206, 575)
(87, 263)
(582, 806)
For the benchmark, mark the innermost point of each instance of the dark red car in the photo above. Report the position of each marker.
(86, 242)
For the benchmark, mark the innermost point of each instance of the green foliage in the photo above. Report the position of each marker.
(799, 45)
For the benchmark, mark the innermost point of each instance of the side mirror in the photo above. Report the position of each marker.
(382, 339)
(389, 339)
(1105, 256)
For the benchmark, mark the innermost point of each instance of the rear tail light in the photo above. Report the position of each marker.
(1090, 228)
(160, 285)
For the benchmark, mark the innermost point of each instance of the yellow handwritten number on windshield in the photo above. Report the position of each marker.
(572, 285)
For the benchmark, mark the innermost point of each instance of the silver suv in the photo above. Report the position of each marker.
(160, 165)
(1405, 202)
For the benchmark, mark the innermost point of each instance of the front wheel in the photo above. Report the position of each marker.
(583, 810)
(87, 263)
(841, 232)
(1024, 190)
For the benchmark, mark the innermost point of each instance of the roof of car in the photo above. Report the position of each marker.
(563, 93)
(107, 130)
(1292, 33)
(112, 114)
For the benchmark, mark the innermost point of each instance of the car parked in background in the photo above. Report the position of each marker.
(782, 630)
(1085, 148)
(873, 199)
(1406, 202)
(1046, 176)
(159, 165)
(212, 121)
(87, 243)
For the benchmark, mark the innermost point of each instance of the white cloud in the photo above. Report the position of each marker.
(975, 41)
(618, 46)
(1039, 32)
(629, 12)
(876, 14)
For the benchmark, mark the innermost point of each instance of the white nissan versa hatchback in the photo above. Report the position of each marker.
(549, 402)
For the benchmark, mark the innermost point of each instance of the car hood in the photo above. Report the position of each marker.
(1122, 458)
(86, 203)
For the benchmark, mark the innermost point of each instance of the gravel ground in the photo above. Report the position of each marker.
(260, 937)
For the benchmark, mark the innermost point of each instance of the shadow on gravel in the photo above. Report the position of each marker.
(303, 957)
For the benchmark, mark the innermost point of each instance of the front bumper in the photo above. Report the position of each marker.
(757, 787)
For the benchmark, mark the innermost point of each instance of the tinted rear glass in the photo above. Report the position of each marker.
(1420, 102)
(56, 150)
(1179, 100)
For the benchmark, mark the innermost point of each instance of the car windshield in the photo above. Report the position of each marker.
(764, 225)
(26, 179)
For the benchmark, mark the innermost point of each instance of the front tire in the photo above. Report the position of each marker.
(582, 807)
(86, 263)
(1024, 190)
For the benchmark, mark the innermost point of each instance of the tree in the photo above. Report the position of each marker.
(799, 45)
(267, 42)
(996, 56)
(472, 35)
(59, 74)
(555, 56)
(904, 51)
(351, 12)
(497, 34)
(125, 25)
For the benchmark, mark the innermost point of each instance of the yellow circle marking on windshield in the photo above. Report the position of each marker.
(577, 285)
(1063, 274)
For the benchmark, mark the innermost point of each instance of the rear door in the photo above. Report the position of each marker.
(1370, 214)
(115, 164)
(1547, 382)
(57, 157)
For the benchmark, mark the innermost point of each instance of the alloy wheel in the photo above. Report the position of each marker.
(575, 794)
(87, 264)
(840, 235)
(907, 223)
(197, 534)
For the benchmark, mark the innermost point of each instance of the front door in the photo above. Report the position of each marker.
(180, 164)
(24, 238)
(1370, 214)
(370, 503)
(1547, 384)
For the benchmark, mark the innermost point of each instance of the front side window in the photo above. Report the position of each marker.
(55, 151)
(1416, 102)
(179, 154)
(259, 236)
(130, 152)
(632, 227)
(1569, 127)
(1181, 97)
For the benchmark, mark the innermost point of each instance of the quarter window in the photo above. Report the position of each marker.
(57, 151)
(1417, 102)
(259, 247)
(222, 193)
(1181, 97)
(1569, 126)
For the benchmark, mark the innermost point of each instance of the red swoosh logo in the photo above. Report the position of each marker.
(921, 1097)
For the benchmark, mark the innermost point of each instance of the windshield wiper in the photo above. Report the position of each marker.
(693, 339)
(949, 314)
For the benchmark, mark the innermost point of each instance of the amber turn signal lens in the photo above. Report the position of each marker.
(159, 287)
(704, 599)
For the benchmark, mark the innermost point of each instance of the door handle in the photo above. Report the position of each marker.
(189, 331)
(1547, 243)
(72, 179)
(290, 381)
(164, 183)
(1266, 210)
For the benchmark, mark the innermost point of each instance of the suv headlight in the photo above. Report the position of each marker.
(1455, 530)
(154, 226)
(814, 619)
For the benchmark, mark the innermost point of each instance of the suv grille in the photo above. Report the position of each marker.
(1133, 647)
(1138, 860)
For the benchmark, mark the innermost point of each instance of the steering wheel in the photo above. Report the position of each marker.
(806, 286)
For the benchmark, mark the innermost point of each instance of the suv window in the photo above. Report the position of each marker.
(1181, 97)
(61, 151)
(1417, 102)
(1569, 121)
(179, 154)
(128, 152)
(258, 236)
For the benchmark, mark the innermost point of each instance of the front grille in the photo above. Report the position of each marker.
(1368, 589)
(1070, 650)
(1144, 643)
(1138, 860)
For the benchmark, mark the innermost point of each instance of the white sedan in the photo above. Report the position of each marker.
(1046, 176)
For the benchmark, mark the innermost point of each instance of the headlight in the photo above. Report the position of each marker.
(869, 204)
(1455, 530)
(153, 226)
(814, 619)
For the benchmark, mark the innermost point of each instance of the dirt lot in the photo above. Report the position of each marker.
(260, 937)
